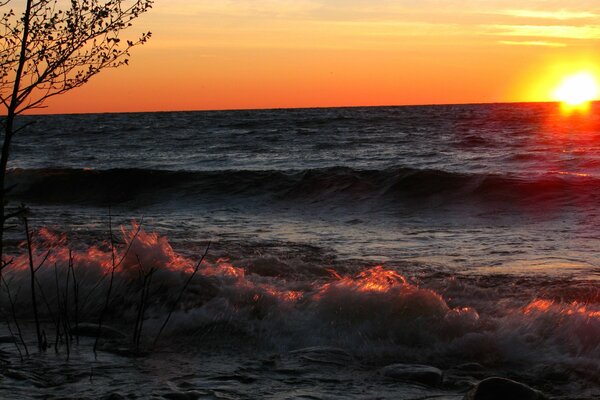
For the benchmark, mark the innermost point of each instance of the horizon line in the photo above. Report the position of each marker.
(298, 108)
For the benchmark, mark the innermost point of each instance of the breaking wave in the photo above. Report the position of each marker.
(374, 312)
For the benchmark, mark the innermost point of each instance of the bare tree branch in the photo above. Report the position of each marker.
(52, 47)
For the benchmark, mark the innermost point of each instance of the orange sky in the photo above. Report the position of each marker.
(226, 54)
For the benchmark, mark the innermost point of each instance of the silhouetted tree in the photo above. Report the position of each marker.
(50, 48)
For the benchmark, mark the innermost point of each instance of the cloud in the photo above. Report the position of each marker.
(531, 43)
(558, 15)
(372, 23)
(241, 8)
(546, 31)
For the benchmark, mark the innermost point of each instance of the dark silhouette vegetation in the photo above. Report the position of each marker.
(49, 48)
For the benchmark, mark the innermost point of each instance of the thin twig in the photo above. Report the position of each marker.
(45, 301)
(41, 264)
(12, 335)
(189, 280)
(32, 271)
(58, 315)
(65, 308)
(114, 267)
(14, 313)
(75, 294)
(146, 278)
(93, 289)
(144, 307)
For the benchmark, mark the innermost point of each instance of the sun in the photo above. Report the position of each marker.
(577, 89)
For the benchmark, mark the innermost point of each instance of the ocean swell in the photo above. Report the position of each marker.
(392, 186)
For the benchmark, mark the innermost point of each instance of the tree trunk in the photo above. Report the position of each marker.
(15, 102)
(3, 164)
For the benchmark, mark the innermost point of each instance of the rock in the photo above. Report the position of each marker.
(324, 355)
(503, 389)
(91, 330)
(424, 374)
(465, 376)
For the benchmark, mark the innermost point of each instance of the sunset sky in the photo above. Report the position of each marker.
(231, 54)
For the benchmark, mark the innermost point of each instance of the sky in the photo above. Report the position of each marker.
(246, 54)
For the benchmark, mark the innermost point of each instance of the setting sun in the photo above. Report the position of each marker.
(577, 89)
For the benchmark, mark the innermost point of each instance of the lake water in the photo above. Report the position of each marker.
(442, 235)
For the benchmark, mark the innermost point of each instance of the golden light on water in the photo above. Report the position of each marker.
(577, 90)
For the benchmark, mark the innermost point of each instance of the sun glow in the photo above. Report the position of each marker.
(577, 90)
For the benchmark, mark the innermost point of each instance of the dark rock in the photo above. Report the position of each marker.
(465, 376)
(424, 374)
(324, 355)
(503, 389)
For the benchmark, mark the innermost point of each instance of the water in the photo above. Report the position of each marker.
(509, 186)
(525, 139)
(442, 235)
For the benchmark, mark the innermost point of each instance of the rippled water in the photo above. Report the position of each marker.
(505, 138)
(512, 186)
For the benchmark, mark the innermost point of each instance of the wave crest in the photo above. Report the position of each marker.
(388, 187)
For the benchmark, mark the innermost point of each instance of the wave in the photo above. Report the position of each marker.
(375, 312)
(392, 186)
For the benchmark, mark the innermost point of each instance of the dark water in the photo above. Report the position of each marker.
(484, 219)
(511, 187)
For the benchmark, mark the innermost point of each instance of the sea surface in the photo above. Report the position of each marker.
(463, 237)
